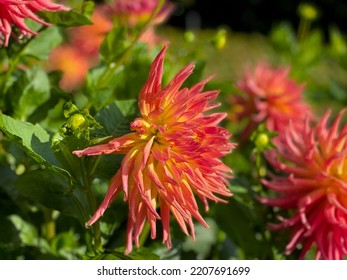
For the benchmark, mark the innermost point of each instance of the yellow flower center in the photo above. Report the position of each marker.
(144, 129)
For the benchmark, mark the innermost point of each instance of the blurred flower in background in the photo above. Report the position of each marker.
(81, 52)
(84, 41)
(314, 161)
(132, 13)
(72, 62)
(172, 155)
(269, 95)
(88, 38)
(137, 12)
(14, 13)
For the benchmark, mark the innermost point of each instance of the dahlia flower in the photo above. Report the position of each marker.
(14, 12)
(269, 96)
(314, 185)
(173, 154)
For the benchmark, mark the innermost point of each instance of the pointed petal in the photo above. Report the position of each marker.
(153, 83)
(115, 146)
(112, 192)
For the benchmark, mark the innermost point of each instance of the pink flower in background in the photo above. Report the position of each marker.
(14, 12)
(314, 161)
(270, 96)
(173, 154)
(133, 12)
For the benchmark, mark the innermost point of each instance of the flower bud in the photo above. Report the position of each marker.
(308, 11)
(77, 121)
(262, 140)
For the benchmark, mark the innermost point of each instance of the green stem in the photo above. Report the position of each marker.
(303, 30)
(92, 203)
(49, 225)
(144, 234)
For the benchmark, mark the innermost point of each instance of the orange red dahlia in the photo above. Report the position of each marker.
(173, 154)
(314, 163)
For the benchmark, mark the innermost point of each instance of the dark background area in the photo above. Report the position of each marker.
(254, 15)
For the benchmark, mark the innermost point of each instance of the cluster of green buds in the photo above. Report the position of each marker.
(78, 121)
(73, 134)
(218, 40)
(261, 138)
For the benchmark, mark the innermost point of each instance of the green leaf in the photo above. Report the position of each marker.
(65, 18)
(29, 91)
(114, 45)
(311, 50)
(41, 112)
(240, 226)
(54, 191)
(106, 83)
(40, 46)
(100, 89)
(88, 8)
(32, 138)
(116, 117)
(66, 245)
(9, 237)
(205, 239)
(283, 38)
(7, 177)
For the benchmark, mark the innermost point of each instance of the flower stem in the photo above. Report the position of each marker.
(49, 224)
(144, 234)
(86, 177)
(304, 29)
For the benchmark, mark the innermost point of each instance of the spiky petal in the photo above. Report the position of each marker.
(14, 12)
(173, 155)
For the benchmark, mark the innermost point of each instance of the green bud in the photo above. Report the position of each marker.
(20, 169)
(189, 36)
(262, 140)
(308, 11)
(77, 121)
(220, 39)
(262, 171)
